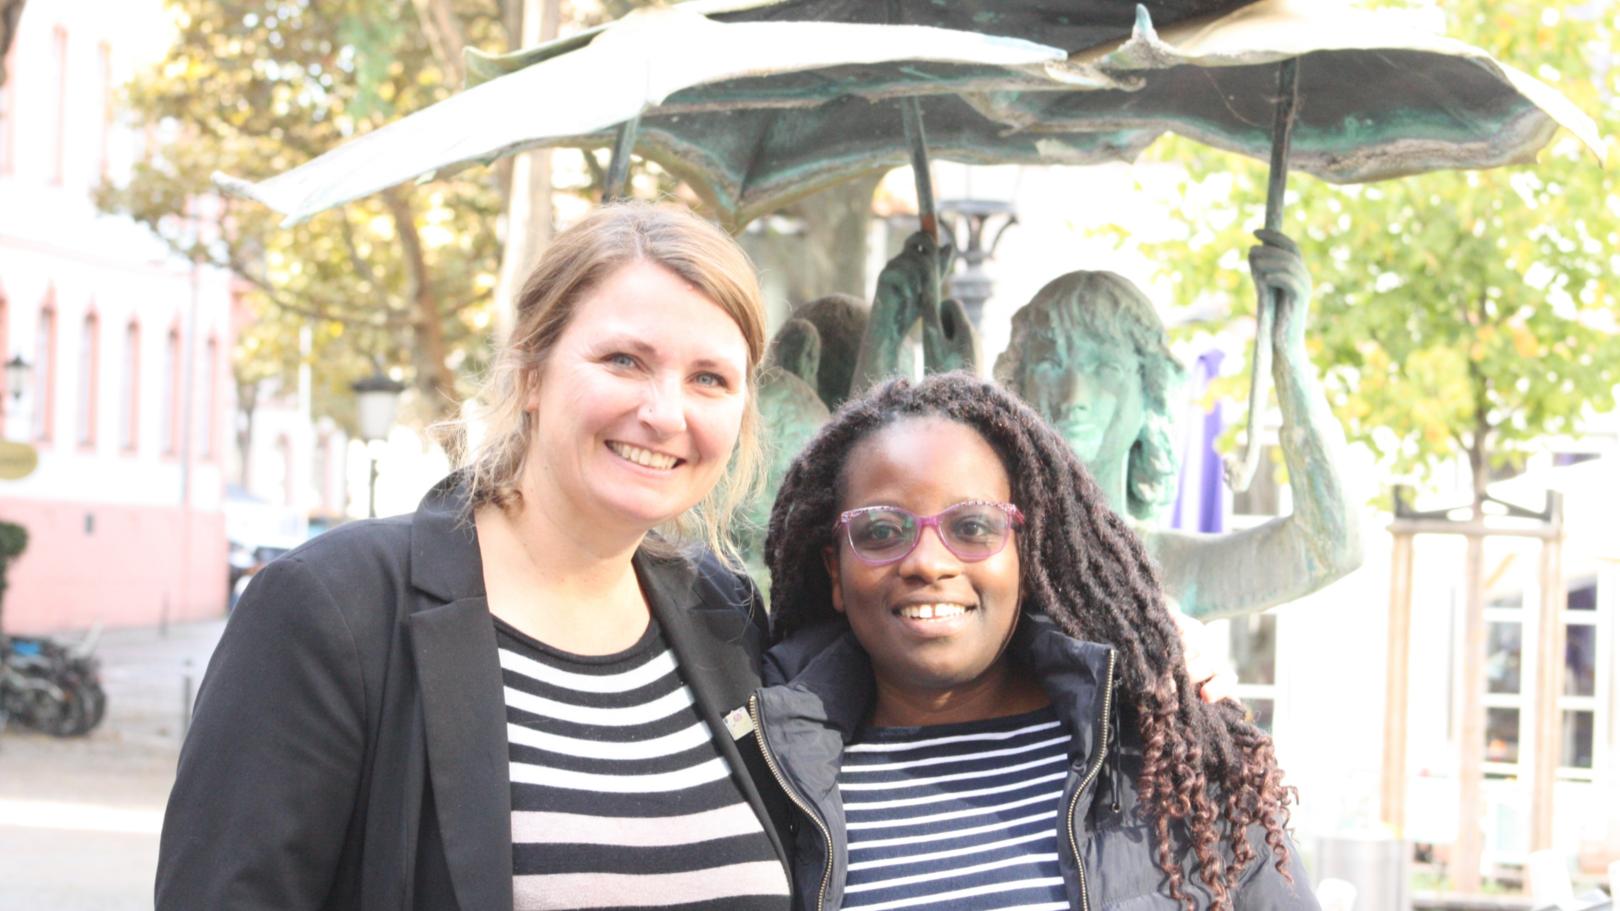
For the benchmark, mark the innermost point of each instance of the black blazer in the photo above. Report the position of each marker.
(348, 748)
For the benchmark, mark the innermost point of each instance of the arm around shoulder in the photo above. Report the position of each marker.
(265, 793)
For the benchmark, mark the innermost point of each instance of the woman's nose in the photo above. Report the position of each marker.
(663, 408)
(930, 559)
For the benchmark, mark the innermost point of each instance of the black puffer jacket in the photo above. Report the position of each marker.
(819, 690)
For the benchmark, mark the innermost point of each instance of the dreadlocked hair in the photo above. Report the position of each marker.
(1207, 774)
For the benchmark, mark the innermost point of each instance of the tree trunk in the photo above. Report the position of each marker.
(528, 202)
(434, 377)
(833, 251)
(10, 15)
(443, 33)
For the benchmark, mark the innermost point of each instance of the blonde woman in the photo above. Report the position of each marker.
(519, 695)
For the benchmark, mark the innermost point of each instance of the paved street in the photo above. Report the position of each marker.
(79, 818)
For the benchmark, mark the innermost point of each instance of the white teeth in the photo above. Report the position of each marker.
(932, 611)
(644, 457)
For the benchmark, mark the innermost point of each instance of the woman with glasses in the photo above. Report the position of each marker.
(980, 698)
(520, 696)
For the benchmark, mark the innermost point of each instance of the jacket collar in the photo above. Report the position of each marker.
(831, 676)
(445, 562)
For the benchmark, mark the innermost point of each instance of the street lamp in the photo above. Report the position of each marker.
(972, 286)
(377, 400)
(17, 371)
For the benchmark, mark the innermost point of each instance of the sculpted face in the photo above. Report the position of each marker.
(1090, 389)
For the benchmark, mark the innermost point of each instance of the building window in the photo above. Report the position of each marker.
(1251, 643)
(59, 83)
(170, 405)
(89, 368)
(5, 353)
(129, 392)
(1584, 661)
(104, 83)
(211, 415)
(8, 106)
(1506, 699)
(45, 370)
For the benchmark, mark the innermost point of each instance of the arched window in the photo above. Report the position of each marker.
(89, 378)
(129, 389)
(59, 85)
(5, 351)
(170, 405)
(211, 415)
(104, 124)
(45, 369)
(8, 108)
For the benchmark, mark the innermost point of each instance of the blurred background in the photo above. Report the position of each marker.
(191, 389)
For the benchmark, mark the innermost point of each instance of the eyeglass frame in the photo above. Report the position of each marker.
(1015, 518)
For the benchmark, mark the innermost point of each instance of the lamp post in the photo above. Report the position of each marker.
(17, 374)
(972, 286)
(377, 400)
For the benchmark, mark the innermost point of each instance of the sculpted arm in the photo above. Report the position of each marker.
(908, 289)
(1241, 572)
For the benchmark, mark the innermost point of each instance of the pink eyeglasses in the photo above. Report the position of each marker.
(973, 530)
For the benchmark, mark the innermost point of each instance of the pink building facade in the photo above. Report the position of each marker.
(130, 387)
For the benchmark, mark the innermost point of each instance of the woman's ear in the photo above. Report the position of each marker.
(829, 559)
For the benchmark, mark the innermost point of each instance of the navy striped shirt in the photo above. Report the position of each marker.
(620, 796)
(957, 816)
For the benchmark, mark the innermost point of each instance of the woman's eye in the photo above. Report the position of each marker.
(973, 528)
(621, 359)
(879, 532)
(713, 381)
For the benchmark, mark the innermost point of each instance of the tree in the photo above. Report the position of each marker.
(10, 14)
(13, 541)
(252, 88)
(1457, 312)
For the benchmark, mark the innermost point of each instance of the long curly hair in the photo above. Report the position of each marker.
(1207, 774)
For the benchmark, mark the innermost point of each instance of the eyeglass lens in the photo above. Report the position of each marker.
(971, 531)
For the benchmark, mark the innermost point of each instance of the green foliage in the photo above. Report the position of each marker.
(254, 87)
(1454, 312)
(13, 541)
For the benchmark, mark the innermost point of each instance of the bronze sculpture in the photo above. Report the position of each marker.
(1089, 353)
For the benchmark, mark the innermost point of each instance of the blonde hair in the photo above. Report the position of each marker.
(576, 262)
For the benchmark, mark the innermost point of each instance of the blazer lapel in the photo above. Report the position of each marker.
(459, 675)
(719, 659)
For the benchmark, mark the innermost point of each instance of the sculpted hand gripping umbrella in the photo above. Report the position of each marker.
(757, 103)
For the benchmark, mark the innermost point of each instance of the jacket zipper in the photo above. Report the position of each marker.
(1091, 775)
(781, 780)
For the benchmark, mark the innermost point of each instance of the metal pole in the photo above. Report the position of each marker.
(1240, 471)
(372, 512)
(618, 173)
(917, 139)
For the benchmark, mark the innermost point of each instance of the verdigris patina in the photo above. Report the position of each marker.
(908, 291)
(1090, 354)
